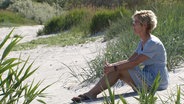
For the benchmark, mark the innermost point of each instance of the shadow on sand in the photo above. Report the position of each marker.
(101, 99)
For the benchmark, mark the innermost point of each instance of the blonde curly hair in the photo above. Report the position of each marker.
(146, 17)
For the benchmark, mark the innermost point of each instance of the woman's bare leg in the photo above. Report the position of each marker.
(112, 78)
(101, 85)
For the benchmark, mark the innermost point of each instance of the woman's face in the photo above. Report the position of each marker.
(137, 26)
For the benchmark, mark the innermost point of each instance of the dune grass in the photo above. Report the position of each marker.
(13, 75)
(146, 96)
(62, 39)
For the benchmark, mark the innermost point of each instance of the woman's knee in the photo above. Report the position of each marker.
(123, 73)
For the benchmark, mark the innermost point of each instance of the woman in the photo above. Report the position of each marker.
(150, 53)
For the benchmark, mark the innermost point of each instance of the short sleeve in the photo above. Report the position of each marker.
(138, 47)
(150, 49)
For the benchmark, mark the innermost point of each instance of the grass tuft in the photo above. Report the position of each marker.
(13, 75)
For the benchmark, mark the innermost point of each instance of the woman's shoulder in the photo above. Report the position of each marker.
(154, 40)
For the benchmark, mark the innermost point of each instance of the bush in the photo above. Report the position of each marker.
(52, 26)
(73, 18)
(102, 19)
(87, 20)
(92, 22)
(64, 22)
(13, 74)
(122, 24)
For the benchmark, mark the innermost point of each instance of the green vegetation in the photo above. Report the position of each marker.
(111, 93)
(169, 30)
(39, 12)
(145, 95)
(64, 22)
(102, 19)
(87, 20)
(68, 4)
(75, 26)
(13, 75)
(114, 23)
(64, 39)
(8, 18)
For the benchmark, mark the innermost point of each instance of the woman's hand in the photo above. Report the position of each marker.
(108, 68)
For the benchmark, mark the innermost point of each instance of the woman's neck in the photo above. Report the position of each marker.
(145, 37)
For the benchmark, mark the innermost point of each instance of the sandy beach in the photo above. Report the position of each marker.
(53, 62)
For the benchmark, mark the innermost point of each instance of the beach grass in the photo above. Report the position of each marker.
(145, 96)
(61, 39)
(13, 75)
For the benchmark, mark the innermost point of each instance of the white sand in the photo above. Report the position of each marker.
(51, 62)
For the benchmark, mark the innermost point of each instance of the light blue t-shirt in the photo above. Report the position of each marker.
(154, 49)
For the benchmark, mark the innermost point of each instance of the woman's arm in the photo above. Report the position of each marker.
(133, 56)
(133, 61)
(123, 61)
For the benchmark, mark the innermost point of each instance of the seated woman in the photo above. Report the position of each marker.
(150, 52)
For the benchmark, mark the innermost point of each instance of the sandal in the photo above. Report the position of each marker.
(80, 98)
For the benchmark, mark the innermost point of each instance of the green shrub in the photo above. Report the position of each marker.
(122, 24)
(92, 22)
(64, 22)
(13, 75)
(52, 26)
(73, 18)
(103, 18)
(84, 25)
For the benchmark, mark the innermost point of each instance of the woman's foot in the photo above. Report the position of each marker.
(80, 98)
